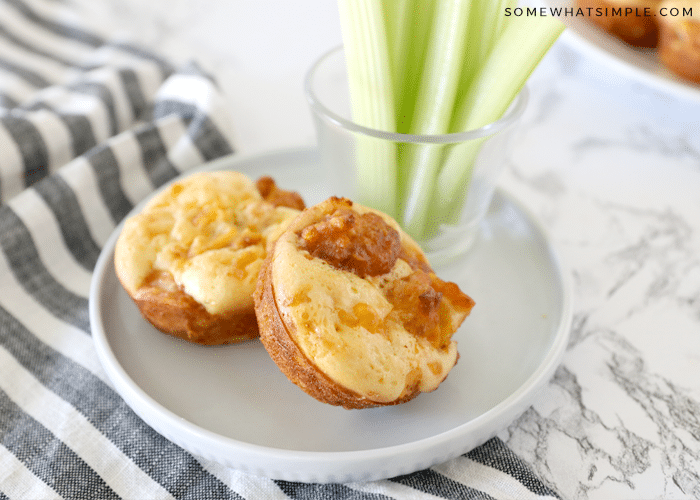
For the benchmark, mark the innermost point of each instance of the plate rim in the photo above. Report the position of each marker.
(328, 466)
(662, 80)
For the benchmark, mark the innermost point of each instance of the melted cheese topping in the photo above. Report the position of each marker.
(344, 325)
(210, 232)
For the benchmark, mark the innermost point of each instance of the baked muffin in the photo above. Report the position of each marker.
(679, 41)
(190, 259)
(351, 312)
(637, 30)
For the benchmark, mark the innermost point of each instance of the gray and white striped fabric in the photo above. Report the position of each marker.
(88, 127)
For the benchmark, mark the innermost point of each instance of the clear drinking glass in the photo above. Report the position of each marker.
(343, 146)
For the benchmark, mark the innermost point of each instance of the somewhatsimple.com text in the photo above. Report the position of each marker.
(598, 11)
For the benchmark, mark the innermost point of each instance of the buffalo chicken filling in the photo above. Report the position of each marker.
(366, 245)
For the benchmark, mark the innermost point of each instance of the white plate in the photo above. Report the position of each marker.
(639, 64)
(231, 404)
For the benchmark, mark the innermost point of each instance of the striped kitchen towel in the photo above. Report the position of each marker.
(89, 126)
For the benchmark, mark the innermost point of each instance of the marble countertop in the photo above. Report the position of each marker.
(610, 166)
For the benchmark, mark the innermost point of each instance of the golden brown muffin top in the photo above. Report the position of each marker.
(375, 325)
(210, 232)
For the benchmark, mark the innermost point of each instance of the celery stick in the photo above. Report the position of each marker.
(371, 94)
(369, 69)
(493, 21)
(517, 52)
(398, 37)
(486, 23)
(515, 55)
(433, 107)
(408, 35)
(443, 63)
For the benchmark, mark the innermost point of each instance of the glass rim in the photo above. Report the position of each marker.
(514, 111)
